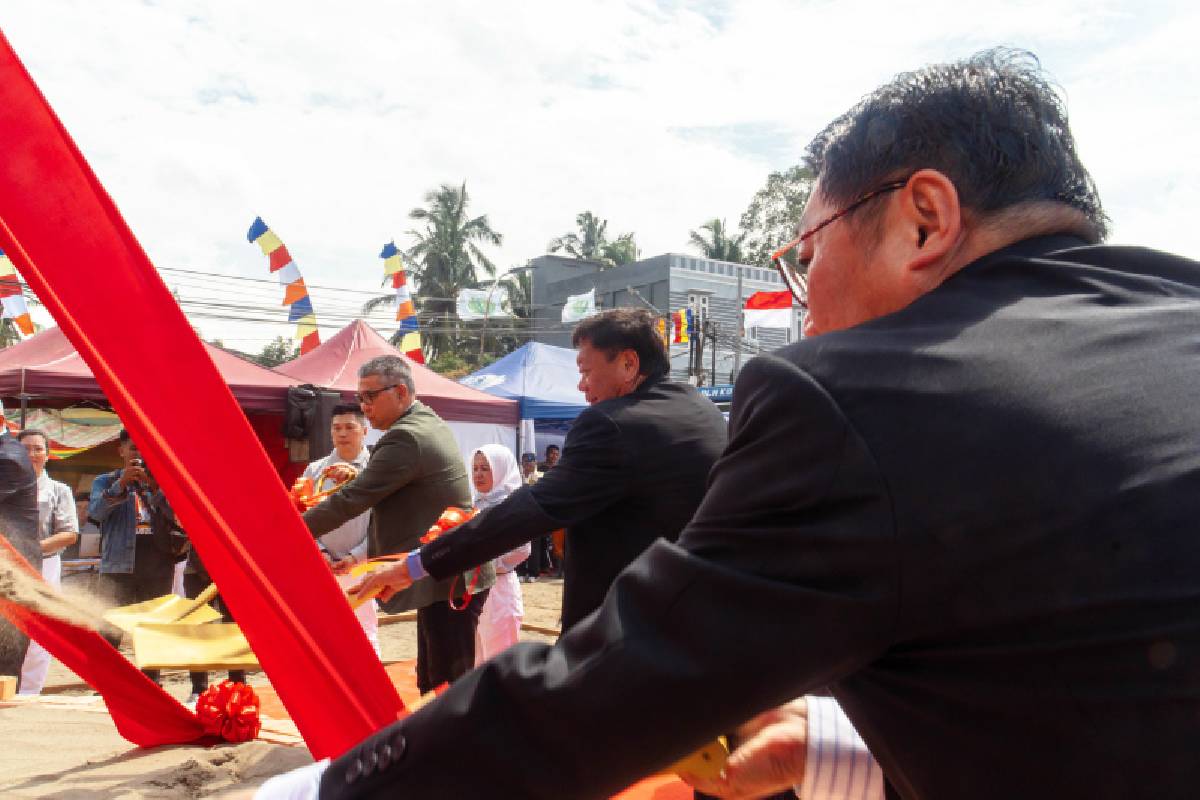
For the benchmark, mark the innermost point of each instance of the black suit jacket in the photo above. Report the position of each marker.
(976, 519)
(633, 470)
(18, 524)
(18, 499)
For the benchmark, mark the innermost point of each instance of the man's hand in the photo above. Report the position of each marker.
(383, 583)
(769, 759)
(132, 474)
(339, 473)
(342, 565)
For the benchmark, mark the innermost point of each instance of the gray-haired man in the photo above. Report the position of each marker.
(414, 473)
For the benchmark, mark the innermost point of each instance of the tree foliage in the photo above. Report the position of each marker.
(447, 255)
(714, 241)
(590, 241)
(770, 219)
(278, 351)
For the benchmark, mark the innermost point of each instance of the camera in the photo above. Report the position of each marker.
(137, 462)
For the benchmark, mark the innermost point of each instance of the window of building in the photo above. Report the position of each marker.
(698, 303)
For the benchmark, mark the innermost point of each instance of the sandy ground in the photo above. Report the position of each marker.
(64, 746)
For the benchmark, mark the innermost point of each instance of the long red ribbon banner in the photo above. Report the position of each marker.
(66, 237)
(143, 713)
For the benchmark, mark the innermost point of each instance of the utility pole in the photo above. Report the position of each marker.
(713, 335)
(737, 334)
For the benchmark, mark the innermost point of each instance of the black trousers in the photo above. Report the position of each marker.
(193, 584)
(446, 642)
(540, 559)
(153, 573)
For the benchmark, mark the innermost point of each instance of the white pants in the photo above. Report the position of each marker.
(37, 660)
(367, 615)
(500, 621)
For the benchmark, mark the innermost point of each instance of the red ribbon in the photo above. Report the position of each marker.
(450, 519)
(229, 710)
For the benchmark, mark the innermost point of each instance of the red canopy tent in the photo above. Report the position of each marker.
(334, 365)
(46, 366)
(46, 369)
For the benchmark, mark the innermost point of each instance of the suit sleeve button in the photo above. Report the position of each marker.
(399, 745)
(385, 756)
(354, 771)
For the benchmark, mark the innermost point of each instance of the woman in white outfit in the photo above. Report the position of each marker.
(58, 528)
(495, 475)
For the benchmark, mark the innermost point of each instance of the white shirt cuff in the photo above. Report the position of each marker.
(839, 766)
(299, 784)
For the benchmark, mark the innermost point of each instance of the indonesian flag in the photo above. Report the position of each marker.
(768, 310)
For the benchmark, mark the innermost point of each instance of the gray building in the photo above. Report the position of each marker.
(664, 284)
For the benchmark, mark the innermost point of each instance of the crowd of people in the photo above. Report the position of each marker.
(944, 547)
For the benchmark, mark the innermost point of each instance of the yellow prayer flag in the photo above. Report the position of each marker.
(268, 242)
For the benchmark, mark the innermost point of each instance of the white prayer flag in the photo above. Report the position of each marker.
(579, 306)
(490, 303)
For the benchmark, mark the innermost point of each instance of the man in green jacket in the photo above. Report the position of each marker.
(414, 474)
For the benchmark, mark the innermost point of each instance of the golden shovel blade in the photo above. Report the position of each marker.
(199, 648)
(166, 609)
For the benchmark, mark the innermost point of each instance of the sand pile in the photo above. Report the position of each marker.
(18, 586)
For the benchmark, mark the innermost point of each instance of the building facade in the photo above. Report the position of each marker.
(665, 284)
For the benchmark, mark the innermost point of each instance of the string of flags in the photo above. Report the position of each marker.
(15, 307)
(295, 293)
(684, 323)
(406, 313)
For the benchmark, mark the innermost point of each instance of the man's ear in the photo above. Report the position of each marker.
(630, 357)
(930, 226)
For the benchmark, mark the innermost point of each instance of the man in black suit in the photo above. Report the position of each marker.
(633, 471)
(967, 503)
(19, 525)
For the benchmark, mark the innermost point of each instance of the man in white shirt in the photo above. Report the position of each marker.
(346, 545)
(58, 528)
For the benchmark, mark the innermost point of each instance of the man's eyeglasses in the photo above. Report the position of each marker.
(796, 278)
(370, 394)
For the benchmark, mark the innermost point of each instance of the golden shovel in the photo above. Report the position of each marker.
(199, 648)
(166, 609)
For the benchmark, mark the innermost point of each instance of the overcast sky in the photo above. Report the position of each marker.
(332, 121)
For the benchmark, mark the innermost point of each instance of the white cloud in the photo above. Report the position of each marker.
(198, 116)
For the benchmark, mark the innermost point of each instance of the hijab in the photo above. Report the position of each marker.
(506, 475)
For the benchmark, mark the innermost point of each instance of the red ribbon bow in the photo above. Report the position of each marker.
(451, 518)
(229, 710)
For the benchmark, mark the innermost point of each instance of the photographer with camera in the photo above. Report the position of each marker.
(137, 562)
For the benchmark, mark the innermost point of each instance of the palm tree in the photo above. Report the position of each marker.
(588, 243)
(592, 242)
(446, 257)
(622, 250)
(718, 245)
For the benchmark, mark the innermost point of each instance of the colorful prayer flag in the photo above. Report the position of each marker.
(295, 292)
(13, 301)
(406, 312)
(683, 325)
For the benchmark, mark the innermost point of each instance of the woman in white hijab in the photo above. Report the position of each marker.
(495, 475)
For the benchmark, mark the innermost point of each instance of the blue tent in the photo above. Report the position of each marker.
(540, 377)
